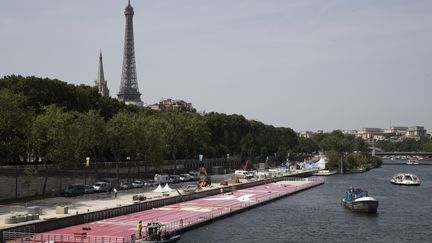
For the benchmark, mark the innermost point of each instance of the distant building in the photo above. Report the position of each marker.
(400, 131)
(170, 104)
(351, 132)
(100, 81)
(416, 132)
(369, 133)
(306, 134)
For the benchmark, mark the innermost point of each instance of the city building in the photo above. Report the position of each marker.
(306, 134)
(416, 132)
(400, 131)
(350, 132)
(100, 81)
(170, 104)
(369, 133)
(129, 92)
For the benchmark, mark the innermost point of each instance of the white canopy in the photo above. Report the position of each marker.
(158, 189)
(167, 188)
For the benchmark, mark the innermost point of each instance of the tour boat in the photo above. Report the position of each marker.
(406, 179)
(358, 200)
(412, 162)
(154, 234)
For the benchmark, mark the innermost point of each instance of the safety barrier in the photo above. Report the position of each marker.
(20, 237)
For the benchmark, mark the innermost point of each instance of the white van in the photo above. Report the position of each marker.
(161, 179)
(244, 174)
(101, 186)
(240, 173)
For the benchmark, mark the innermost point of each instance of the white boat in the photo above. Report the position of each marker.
(358, 200)
(412, 162)
(406, 179)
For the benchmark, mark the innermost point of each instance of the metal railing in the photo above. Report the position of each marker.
(20, 237)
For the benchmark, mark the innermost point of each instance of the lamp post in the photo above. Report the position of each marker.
(16, 179)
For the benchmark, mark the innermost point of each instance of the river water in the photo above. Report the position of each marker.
(315, 215)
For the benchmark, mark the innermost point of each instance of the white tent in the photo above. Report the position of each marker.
(167, 188)
(158, 189)
(322, 162)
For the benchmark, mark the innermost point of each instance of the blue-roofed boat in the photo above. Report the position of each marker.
(358, 200)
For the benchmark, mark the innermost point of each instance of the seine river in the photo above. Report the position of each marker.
(315, 215)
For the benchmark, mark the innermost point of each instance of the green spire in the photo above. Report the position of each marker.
(100, 81)
(100, 74)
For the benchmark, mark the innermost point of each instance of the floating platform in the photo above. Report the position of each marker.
(325, 173)
(176, 217)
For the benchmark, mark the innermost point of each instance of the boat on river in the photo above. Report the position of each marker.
(412, 162)
(155, 234)
(358, 200)
(406, 179)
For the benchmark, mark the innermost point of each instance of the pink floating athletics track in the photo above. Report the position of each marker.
(181, 215)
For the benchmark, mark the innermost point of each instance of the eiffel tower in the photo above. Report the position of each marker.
(129, 92)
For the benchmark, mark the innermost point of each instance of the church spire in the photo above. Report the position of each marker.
(100, 74)
(100, 81)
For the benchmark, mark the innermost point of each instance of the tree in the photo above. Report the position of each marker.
(334, 160)
(120, 137)
(15, 121)
(14, 127)
(91, 137)
(52, 136)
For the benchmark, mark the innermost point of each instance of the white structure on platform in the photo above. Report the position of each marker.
(167, 188)
(158, 189)
(322, 162)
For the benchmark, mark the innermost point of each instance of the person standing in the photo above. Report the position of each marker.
(115, 192)
(139, 229)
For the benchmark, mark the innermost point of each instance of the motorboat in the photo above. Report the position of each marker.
(154, 233)
(412, 162)
(358, 200)
(406, 179)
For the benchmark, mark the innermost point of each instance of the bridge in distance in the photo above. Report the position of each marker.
(427, 161)
(381, 153)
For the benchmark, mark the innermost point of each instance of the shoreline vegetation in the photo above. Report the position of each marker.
(65, 125)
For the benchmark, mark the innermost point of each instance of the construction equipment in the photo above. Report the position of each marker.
(204, 178)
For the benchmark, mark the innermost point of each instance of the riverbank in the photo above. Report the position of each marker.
(101, 206)
(181, 216)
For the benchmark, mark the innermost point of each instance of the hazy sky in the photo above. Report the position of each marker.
(304, 64)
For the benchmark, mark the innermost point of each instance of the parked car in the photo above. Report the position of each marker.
(161, 179)
(195, 176)
(250, 174)
(89, 189)
(124, 185)
(241, 174)
(101, 186)
(175, 178)
(150, 183)
(185, 177)
(137, 184)
(74, 190)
